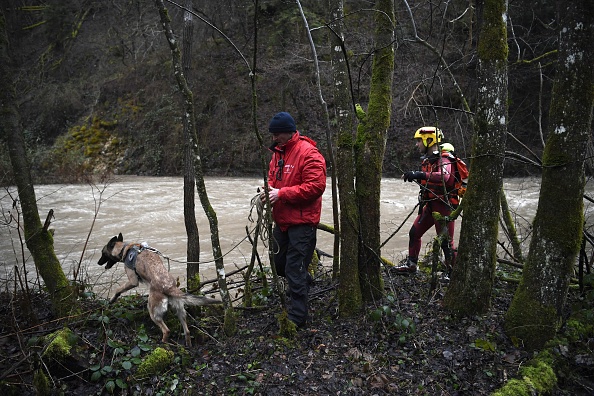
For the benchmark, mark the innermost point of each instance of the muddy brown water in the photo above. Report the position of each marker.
(150, 209)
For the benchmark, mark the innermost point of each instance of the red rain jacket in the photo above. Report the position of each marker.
(302, 175)
(439, 172)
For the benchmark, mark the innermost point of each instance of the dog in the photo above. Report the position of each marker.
(143, 264)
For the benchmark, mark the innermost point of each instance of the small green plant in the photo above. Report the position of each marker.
(392, 321)
(485, 345)
(125, 360)
(262, 296)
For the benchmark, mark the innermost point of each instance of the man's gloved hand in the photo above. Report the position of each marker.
(413, 175)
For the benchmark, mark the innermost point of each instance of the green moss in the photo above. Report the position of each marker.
(349, 303)
(186, 357)
(287, 328)
(230, 322)
(60, 344)
(345, 140)
(538, 377)
(530, 322)
(127, 107)
(313, 265)
(541, 376)
(159, 360)
(88, 138)
(565, 230)
(493, 39)
(41, 383)
(248, 295)
(194, 282)
(577, 330)
(515, 387)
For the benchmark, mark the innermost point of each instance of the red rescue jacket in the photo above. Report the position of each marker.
(301, 169)
(440, 180)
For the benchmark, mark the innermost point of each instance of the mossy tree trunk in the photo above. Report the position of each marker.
(349, 291)
(536, 310)
(370, 148)
(229, 325)
(193, 244)
(473, 274)
(38, 237)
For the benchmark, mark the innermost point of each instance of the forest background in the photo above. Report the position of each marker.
(96, 96)
(97, 93)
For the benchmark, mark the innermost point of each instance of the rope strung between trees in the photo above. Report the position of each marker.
(259, 206)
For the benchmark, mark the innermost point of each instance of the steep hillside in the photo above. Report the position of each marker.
(97, 91)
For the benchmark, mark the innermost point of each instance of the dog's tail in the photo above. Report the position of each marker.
(192, 299)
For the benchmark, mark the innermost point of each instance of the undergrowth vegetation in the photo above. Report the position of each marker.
(405, 343)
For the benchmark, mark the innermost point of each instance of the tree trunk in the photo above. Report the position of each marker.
(474, 271)
(370, 147)
(193, 245)
(510, 228)
(39, 239)
(536, 310)
(229, 325)
(349, 290)
(330, 154)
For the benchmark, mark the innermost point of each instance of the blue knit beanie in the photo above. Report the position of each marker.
(282, 122)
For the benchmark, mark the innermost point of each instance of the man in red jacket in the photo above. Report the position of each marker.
(296, 182)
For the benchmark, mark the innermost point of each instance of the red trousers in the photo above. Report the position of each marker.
(424, 222)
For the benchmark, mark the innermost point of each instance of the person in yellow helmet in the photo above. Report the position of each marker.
(436, 179)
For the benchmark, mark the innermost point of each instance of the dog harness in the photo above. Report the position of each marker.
(130, 258)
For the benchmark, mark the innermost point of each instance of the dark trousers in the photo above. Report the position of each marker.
(293, 251)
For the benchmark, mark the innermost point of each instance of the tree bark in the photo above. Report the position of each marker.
(349, 290)
(370, 148)
(535, 314)
(474, 271)
(193, 245)
(39, 240)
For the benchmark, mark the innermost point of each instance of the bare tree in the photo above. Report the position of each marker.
(330, 153)
(473, 275)
(193, 245)
(536, 311)
(38, 237)
(229, 325)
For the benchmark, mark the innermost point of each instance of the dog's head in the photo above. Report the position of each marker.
(109, 254)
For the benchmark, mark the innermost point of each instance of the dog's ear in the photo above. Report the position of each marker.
(120, 238)
(110, 244)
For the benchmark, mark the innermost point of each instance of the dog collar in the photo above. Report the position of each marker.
(121, 255)
(140, 248)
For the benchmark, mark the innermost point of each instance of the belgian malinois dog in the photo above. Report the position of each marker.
(144, 265)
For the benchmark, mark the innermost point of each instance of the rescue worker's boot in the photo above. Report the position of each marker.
(406, 266)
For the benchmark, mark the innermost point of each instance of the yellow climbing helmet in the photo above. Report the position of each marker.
(433, 133)
(447, 147)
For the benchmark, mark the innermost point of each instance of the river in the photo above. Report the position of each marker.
(150, 209)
